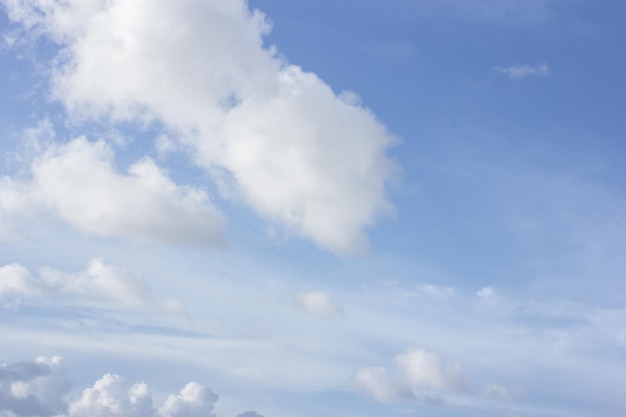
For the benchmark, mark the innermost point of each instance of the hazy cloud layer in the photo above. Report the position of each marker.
(278, 137)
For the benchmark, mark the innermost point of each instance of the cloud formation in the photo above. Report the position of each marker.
(524, 71)
(319, 304)
(78, 182)
(99, 285)
(424, 369)
(278, 137)
(420, 375)
(40, 388)
(32, 388)
(375, 382)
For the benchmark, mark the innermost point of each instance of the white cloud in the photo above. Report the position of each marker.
(421, 376)
(318, 304)
(375, 382)
(423, 368)
(78, 182)
(523, 71)
(112, 396)
(296, 152)
(485, 293)
(99, 285)
(194, 400)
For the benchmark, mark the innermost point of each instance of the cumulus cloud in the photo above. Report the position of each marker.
(524, 71)
(276, 136)
(194, 400)
(421, 375)
(318, 304)
(78, 182)
(113, 396)
(40, 388)
(99, 285)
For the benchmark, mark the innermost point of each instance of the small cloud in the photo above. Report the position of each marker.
(250, 414)
(524, 71)
(319, 304)
(497, 392)
(485, 293)
(423, 368)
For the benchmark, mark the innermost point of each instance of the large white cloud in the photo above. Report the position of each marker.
(99, 285)
(78, 181)
(302, 156)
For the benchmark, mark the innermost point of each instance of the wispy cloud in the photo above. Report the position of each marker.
(99, 285)
(524, 71)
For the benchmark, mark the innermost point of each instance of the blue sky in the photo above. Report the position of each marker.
(295, 209)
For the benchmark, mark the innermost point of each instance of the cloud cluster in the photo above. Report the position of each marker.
(40, 388)
(113, 396)
(524, 71)
(276, 136)
(99, 285)
(78, 182)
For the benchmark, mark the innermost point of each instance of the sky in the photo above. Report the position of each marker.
(272, 208)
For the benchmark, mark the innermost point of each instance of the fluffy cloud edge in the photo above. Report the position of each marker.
(77, 181)
(41, 388)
